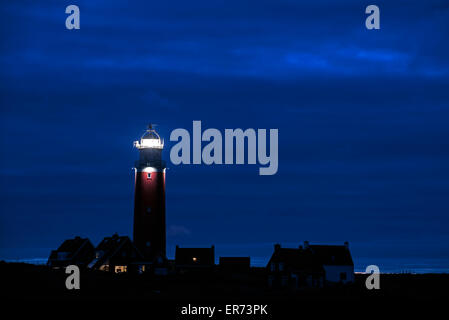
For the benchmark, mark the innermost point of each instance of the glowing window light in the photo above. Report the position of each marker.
(120, 269)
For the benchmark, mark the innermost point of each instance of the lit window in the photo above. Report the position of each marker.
(104, 267)
(194, 259)
(120, 269)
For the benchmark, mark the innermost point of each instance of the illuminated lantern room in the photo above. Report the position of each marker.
(150, 148)
(150, 139)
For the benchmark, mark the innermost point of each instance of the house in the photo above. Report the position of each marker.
(77, 251)
(294, 268)
(116, 254)
(194, 259)
(234, 264)
(336, 261)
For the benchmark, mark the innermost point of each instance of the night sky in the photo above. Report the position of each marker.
(362, 118)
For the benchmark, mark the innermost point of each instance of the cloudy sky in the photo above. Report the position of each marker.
(362, 117)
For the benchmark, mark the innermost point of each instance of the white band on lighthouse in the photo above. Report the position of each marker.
(149, 169)
(149, 143)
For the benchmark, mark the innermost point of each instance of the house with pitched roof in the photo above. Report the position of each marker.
(116, 254)
(294, 268)
(77, 251)
(310, 266)
(336, 261)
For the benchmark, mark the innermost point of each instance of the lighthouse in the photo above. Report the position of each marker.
(149, 196)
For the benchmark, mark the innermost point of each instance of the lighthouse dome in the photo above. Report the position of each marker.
(150, 139)
(151, 134)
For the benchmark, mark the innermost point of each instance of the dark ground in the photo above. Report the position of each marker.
(21, 281)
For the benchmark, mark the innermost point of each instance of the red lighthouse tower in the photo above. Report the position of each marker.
(149, 196)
